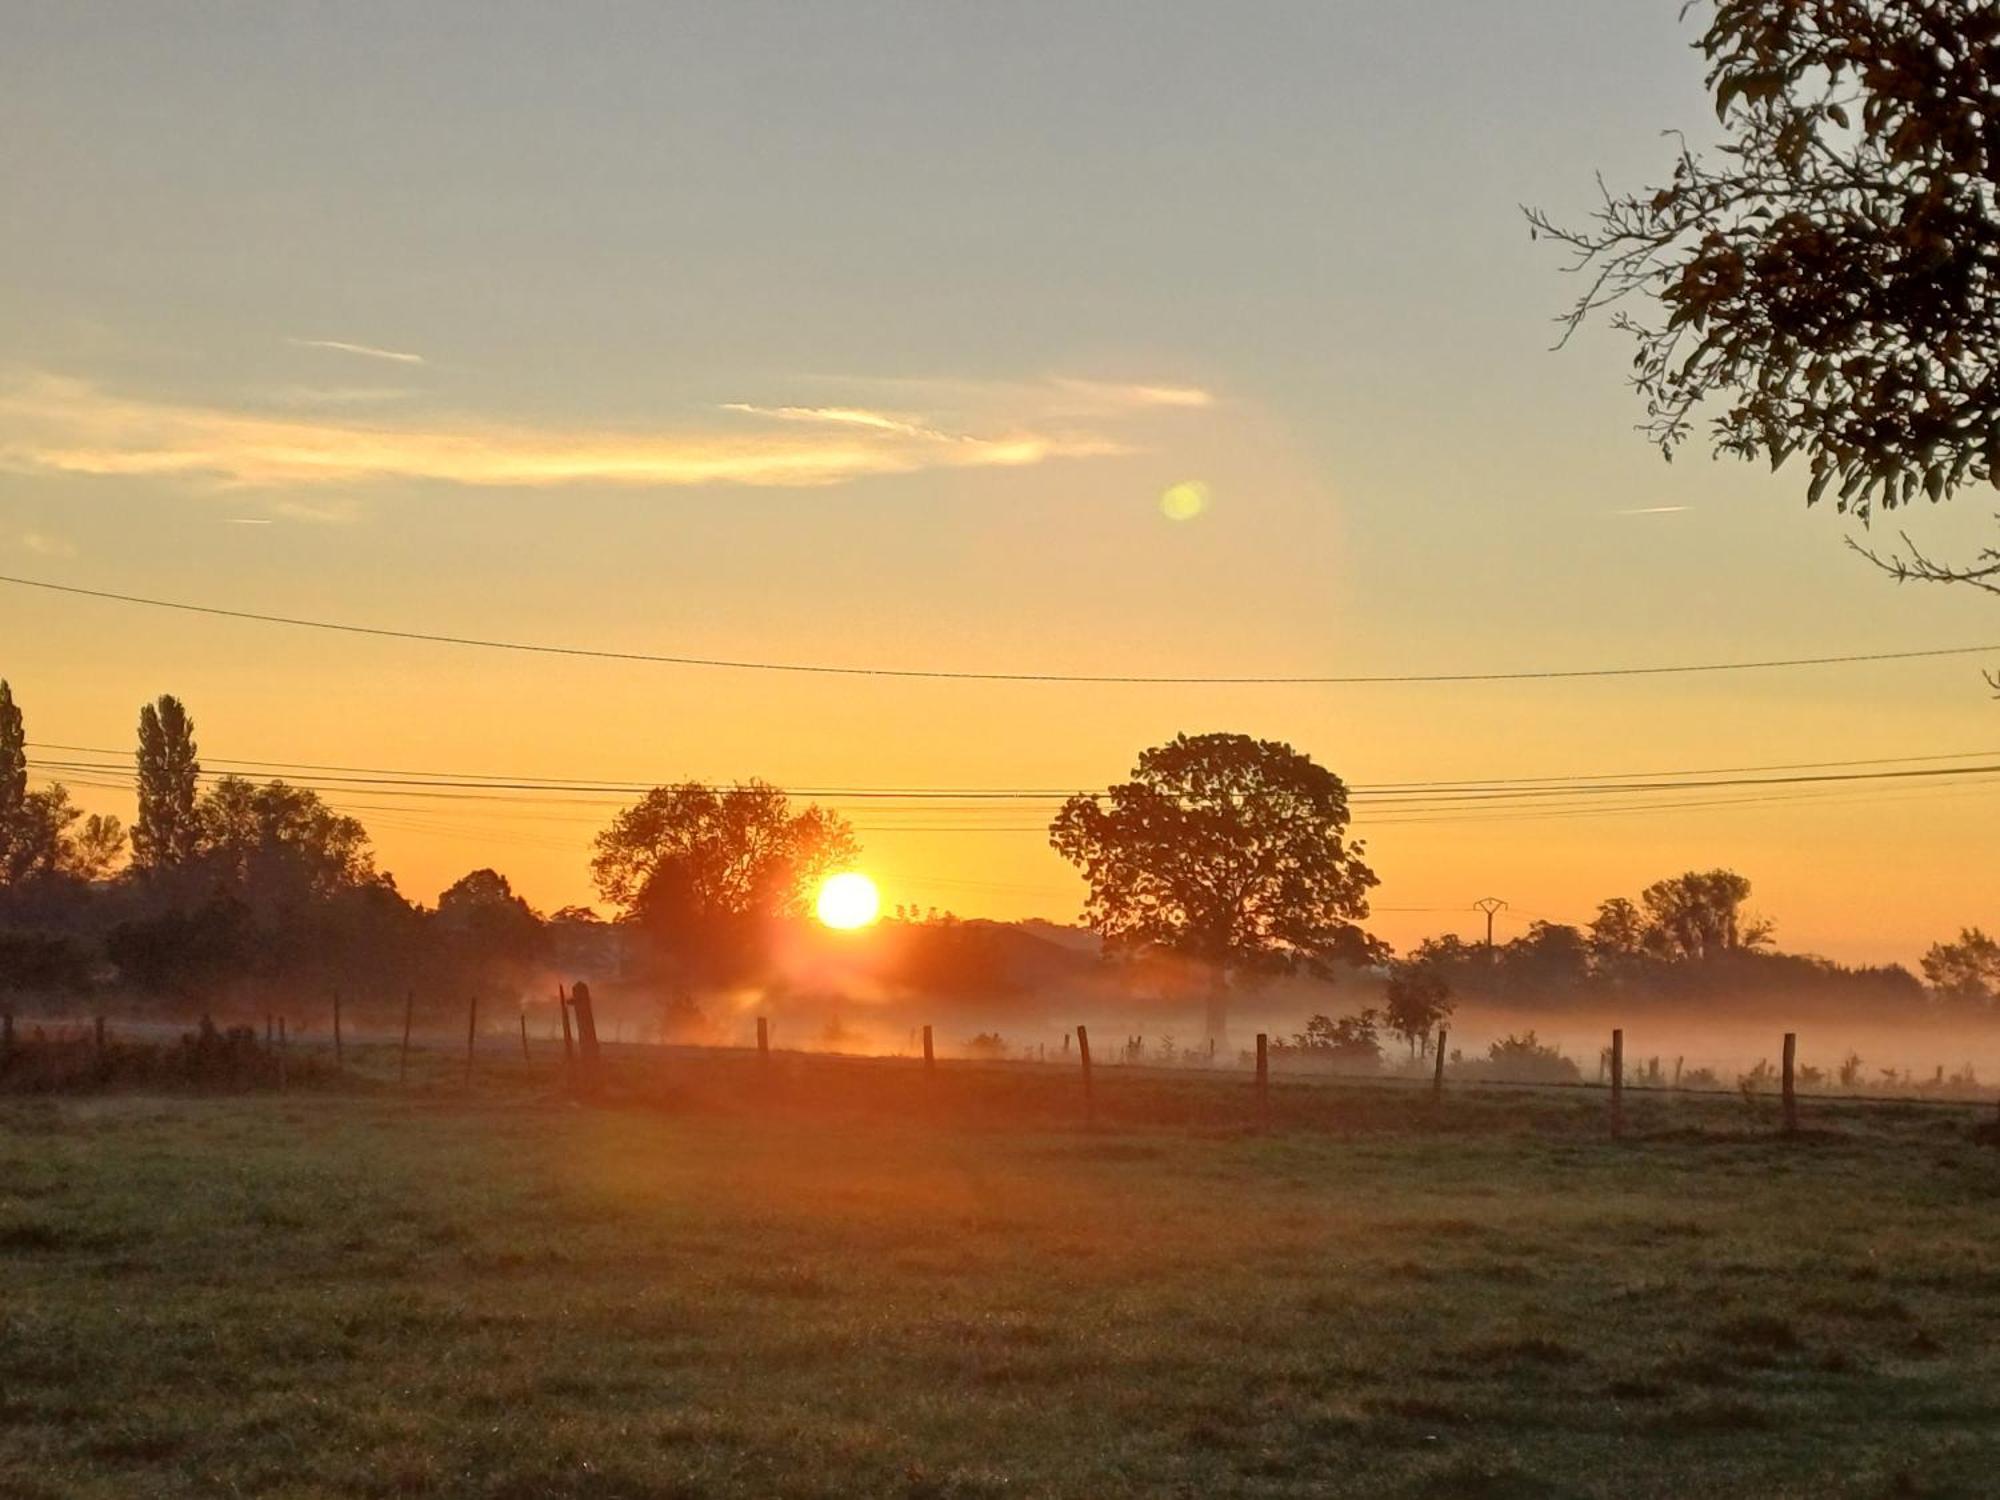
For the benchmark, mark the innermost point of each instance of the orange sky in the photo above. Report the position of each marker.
(753, 335)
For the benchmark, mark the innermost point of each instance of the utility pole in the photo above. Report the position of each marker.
(1491, 905)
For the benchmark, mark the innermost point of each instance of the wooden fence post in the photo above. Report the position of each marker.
(1791, 1096)
(764, 1044)
(1089, 1098)
(1263, 1081)
(930, 1058)
(339, 1051)
(471, 1031)
(526, 1056)
(1618, 1082)
(409, 1012)
(284, 1050)
(586, 1026)
(1437, 1074)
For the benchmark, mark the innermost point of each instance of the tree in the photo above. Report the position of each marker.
(281, 845)
(13, 778)
(1699, 916)
(1228, 851)
(702, 868)
(1966, 972)
(1832, 275)
(1419, 998)
(168, 832)
(1353, 1038)
(36, 843)
(1618, 933)
(95, 849)
(487, 925)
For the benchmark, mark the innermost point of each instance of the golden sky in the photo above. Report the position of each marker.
(754, 335)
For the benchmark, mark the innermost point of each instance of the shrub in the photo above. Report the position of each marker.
(1523, 1059)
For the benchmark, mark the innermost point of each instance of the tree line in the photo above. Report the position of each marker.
(1222, 861)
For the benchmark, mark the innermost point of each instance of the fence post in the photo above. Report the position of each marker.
(1791, 1097)
(930, 1058)
(1263, 1081)
(586, 1027)
(471, 1030)
(1618, 1082)
(764, 1043)
(284, 1050)
(409, 1011)
(339, 1051)
(103, 1059)
(6, 1036)
(526, 1057)
(1089, 1098)
(1437, 1073)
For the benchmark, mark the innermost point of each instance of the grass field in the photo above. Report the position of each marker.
(825, 1286)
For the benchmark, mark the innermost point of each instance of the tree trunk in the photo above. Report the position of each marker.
(1215, 1008)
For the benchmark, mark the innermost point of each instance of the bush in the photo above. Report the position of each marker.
(1351, 1039)
(40, 961)
(1523, 1059)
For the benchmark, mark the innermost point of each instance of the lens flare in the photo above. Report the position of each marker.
(848, 900)
(1184, 501)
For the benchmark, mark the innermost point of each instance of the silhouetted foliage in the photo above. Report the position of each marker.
(41, 962)
(1226, 850)
(1418, 999)
(1352, 1039)
(1965, 972)
(1833, 272)
(705, 871)
(1699, 916)
(1523, 1059)
(168, 833)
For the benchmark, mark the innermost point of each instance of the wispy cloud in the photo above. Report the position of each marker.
(60, 424)
(341, 395)
(1651, 510)
(1114, 395)
(341, 346)
(44, 545)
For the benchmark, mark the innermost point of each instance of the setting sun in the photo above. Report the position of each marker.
(848, 900)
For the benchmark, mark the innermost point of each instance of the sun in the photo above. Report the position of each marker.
(849, 900)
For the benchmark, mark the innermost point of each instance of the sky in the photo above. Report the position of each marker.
(878, 335)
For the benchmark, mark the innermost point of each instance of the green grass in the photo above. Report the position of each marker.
(828, 1286)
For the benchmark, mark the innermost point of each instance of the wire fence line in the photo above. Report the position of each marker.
(53, 1053)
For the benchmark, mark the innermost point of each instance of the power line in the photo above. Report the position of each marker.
(1494, 791)
(939, 674)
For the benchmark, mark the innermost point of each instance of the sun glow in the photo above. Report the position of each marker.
(849, 900)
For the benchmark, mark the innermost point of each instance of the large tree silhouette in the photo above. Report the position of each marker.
(703, 869)
(1830, 278)
(1229, 851)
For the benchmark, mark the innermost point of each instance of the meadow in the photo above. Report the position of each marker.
(841, 1277)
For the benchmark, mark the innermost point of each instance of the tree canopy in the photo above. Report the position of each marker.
(700, 866)
(1830, 276)
(1226, 850)
(168, 831)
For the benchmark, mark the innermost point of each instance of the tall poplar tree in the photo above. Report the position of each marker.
(13, 771)
(168, 833)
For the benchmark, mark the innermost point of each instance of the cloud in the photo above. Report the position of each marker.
(58, 424)
(340, 346)
(340, 395)
(1113, 395)
(1651, 510)
(43, 545)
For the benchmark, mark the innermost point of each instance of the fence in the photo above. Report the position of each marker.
(72, 1054)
